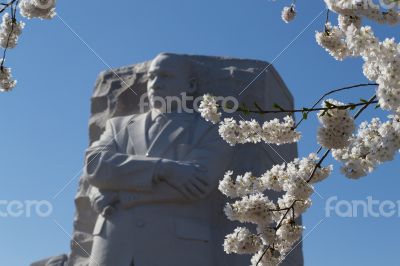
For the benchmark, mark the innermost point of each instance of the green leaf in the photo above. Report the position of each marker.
(328, 104)
(326, 112)
(277, 106)
(259, 108)
(228, 105)
(244, 108)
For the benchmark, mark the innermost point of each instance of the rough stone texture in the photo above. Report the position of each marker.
(118, 92)
(53, 261)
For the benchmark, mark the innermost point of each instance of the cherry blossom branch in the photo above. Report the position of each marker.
(334, 91)
(327, 15)
(349, 38)
(11, 29)
(305, 110)
(318, 165)
(263, 254)
(14, 21)
(317, 102)
(286, 213)
(6, 5)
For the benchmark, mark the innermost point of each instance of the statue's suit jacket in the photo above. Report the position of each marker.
(168, 228)
(154, 223)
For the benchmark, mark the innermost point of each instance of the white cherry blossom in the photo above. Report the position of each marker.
(10, 30)
(288, 13)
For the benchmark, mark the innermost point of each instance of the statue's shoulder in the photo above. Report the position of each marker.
(123, 121)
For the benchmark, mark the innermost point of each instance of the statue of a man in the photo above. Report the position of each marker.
(155, 175)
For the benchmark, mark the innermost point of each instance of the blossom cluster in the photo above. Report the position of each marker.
(276, 225)
(7, 83)
(10, 30)
(332, 40)
(381, 63)
(273, 131)
(209, 109)
(381, 58)
(269, 256)
(242, 241)
(366, 9)
(375, 142)
(43, 9)
(337, 126)
(288, 13)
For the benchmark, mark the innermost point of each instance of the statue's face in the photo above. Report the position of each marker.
(168, 76)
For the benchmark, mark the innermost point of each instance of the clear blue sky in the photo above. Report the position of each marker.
(44, 120)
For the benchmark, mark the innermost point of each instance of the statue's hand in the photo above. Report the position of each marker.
(103, 200)
(185, 177)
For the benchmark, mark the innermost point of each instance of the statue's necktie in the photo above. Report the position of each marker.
(156, 127)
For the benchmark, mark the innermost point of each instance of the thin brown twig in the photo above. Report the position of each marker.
(14, 21)
(347, 106)
(334, 91)
(6, 5)
(262, 255)
(327, 15)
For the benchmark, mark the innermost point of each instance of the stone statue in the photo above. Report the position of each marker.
(148, 196)
(157, 175)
